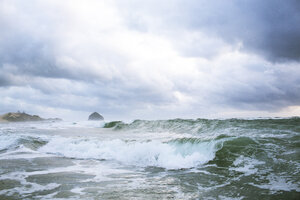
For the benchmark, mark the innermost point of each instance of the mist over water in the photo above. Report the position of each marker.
(163, 159)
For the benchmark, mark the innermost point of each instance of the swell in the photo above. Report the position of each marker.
(208, 125)
(173, 154)
(169, 155)
(218, 142)
(179, 153)
(12, 142)
(234, 148)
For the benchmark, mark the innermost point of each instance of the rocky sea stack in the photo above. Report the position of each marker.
(96, 116)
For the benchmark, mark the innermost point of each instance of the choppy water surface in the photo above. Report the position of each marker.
(167, 159)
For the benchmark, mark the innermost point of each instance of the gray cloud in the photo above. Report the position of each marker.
(265, 88)
(270, 28)
(153, 58)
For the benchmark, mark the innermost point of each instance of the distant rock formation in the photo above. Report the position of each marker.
(95, 116)
(20, 117)
(23, 117)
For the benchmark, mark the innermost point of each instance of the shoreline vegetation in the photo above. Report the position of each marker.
(23, 117)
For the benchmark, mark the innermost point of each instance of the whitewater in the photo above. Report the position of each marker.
(159, 159)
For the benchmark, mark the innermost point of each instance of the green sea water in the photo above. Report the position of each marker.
(163, 159)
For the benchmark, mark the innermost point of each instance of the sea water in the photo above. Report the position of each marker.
(163, 159)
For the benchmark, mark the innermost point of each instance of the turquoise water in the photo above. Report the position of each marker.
(164, 159)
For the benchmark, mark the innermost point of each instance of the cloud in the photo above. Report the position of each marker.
(269, 28)
(150, 59)
(264, 27)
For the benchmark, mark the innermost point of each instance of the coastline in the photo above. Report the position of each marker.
(23, 117)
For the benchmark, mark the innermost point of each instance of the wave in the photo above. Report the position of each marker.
(173, 154)
(176, 153)
(217, 142)
(11, 141)
(200, 126)
(170, 155)
(6, 141)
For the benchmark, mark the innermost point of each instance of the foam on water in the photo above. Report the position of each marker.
(233, 158)
(151, 153)
(49, 125)
(7, 140)
(276, 183)
(21, 153)
(25, 186)
(248, 166)
(97, 170)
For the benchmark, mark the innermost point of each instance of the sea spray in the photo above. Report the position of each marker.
(169, 155)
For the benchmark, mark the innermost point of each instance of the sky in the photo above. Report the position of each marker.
(150, 59)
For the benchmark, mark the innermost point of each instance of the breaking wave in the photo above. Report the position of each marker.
(171, 155)
(199, 126)
(218, 142)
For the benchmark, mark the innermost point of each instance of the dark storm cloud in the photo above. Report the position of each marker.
(22, 52)
(4, 81)
(269, 28)
(25, 55)
(264, 88)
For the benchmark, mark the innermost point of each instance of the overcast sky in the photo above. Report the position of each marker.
(150, 59)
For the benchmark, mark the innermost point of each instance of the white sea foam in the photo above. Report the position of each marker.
(48, 125)
(278, 183)
(248, 166)
(7, 140)
(151, 153)
(98, 170)
(22, 153)
(68, 124)
(25, 187)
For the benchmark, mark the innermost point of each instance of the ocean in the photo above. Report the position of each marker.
(162, 159)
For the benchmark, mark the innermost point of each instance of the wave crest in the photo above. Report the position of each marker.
(169, 155)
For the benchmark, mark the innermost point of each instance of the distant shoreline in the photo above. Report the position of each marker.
(23, 117)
